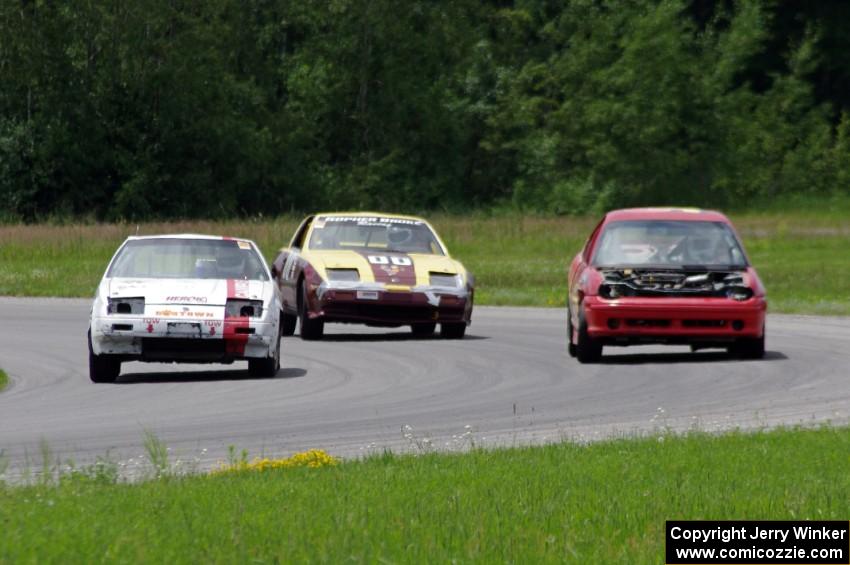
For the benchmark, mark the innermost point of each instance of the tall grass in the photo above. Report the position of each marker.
(157, 454)
(68, 260)
(517, 259)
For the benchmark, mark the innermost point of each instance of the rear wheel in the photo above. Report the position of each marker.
(311, 329)
(453, 330)
(588, 349)
(267, 367)
(287, 323)
(102, 368)
(424, 329)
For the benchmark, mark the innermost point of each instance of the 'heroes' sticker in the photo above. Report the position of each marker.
(185, 313)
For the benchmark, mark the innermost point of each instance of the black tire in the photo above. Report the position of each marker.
(748, 348)
(102, 368)
(311, 329)
(424, 329)
(267, 367)
(287, 323)
(588, 350)
(571, 347)
(453, 331)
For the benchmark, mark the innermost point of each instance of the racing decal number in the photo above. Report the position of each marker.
(384, 260)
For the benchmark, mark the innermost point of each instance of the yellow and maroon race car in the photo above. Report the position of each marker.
(375, 269)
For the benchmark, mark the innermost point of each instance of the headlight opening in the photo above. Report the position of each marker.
(445, 280)
(348, 275)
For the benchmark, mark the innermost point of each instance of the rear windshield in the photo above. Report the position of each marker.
(387, 234)
(173, 258)
(668, 244)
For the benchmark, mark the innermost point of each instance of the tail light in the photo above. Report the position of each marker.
(134, 305)
(235, 308)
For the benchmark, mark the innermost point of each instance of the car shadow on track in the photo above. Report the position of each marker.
(395, 336)
(202, 376)
(697, 357)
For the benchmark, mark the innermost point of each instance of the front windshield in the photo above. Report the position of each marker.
(180, 258)
(668, 244)
(388, 234)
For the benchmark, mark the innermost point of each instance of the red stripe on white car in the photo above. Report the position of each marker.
(234, 341)
(238, 288)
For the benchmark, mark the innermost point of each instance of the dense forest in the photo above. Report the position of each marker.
(139, 109)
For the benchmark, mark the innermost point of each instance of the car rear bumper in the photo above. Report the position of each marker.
(376, 305)
(674, 320)
(161, 339)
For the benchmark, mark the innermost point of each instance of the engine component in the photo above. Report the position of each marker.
(663, 282)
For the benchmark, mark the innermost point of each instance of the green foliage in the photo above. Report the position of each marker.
(517, 259)
(104, 471)
(603, 502)
(173, 109)
(4, 380)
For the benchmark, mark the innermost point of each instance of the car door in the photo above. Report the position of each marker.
(288, 267)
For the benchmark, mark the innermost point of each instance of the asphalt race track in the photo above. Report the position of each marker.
(365, 389)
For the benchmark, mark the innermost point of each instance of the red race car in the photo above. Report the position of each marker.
(664, 275)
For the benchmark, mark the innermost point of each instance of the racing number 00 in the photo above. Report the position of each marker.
(385, 260)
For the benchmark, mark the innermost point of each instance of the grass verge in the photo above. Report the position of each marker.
(517, 259)
(600, 503)
(4, 379)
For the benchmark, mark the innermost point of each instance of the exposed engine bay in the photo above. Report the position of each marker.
(674, 282)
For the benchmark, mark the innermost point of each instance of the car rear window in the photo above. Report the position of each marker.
(181, 258)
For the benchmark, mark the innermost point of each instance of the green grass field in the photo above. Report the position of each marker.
(517, 260)
(599, 503)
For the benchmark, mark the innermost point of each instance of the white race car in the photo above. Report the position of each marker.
(185, 298)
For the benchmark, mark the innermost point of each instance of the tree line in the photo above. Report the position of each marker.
(140, 109)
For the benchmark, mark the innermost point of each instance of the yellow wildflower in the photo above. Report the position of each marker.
(313, 458)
